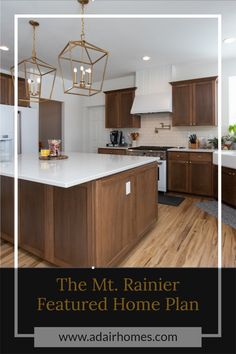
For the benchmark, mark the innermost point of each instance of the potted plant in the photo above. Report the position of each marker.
(193, 142)
(232, 131)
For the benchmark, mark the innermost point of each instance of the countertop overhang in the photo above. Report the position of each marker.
(79, 168)
(228, 158)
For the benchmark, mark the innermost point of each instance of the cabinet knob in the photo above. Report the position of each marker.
(190, 161)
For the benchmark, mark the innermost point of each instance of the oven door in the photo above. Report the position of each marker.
(162, 176)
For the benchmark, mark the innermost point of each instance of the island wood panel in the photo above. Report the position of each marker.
(123, 219)
(115, 219)
(7, 208)
(146, 201)
(71, 226)
(32, 216)
(90, 224)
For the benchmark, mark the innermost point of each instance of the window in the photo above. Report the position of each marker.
(232, 100)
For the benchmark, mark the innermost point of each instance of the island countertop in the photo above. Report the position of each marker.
(77, 169)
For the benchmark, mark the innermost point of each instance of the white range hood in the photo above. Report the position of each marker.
(153, 94)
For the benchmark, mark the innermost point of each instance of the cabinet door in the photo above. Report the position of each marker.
(115, 222)
(146, 200)
(7, 208)
(6, 96)
(127, 120)
(204, 103)
(178, 176)
(201, 178)
(22, 93)
(112, 110)
(182, 104)
(229, 186)
(112, 151)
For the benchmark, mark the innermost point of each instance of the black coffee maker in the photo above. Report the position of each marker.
(116, 137)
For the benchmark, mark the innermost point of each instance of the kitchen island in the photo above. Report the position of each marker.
(88, 210)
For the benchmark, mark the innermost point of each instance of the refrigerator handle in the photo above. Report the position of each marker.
(19, 133)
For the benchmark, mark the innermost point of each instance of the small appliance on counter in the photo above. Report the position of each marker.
(116, 138)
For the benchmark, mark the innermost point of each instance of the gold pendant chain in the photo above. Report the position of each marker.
(82, 22)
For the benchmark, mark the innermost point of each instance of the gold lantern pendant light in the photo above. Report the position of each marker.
(83, 65)
(39, 76)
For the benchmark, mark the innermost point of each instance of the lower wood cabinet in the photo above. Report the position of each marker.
(229, 186)
(190, 173)
(113, 151)
(7, 208)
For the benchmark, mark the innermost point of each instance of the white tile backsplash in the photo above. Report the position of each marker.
(176, 136)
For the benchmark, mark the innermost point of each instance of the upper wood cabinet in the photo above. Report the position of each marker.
(195, 102)
(7, 90)
(118, 107)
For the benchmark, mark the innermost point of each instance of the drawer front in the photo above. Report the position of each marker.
(175, 155)
(200, 156)
(229, 171)
(112, 151)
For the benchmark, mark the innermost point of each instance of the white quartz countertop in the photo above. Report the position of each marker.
(228, 158)
(191, 150)
(77, 169)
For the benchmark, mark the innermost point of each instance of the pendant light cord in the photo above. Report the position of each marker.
(33, 50)
(82, 22)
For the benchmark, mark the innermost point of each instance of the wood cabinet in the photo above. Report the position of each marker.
(113, 151)
(118, 104)
(7, 208)
(91, 224)
(229, 186)
(190, 173)
(7, 90)
(123, 218)
(195, 102)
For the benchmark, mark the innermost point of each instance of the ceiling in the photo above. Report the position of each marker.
(166, 41)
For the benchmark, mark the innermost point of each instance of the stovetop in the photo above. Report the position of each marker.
(152, 148)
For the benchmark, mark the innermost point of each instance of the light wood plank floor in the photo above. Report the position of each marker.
(184, 236)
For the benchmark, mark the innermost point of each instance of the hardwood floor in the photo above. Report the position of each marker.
(184, 236)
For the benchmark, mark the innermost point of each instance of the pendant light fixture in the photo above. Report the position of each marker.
(82, 65)
(39, 76)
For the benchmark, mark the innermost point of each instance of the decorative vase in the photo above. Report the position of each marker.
(134, 143)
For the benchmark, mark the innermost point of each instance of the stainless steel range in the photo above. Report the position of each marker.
(156, 151)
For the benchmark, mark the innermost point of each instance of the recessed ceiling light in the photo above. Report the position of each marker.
(229, 40)
(4, 47)
(146, 58)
